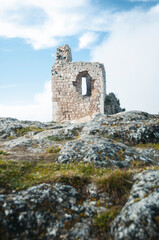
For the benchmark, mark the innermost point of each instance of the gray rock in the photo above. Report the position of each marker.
(139, 219)
(131, 127)
(112, 104)
(149, 152)
(101, 152)
(45, 212)
(39, 141)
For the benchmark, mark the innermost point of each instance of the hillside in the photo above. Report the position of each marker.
(94, 180)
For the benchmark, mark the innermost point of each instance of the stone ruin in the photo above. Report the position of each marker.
(78, 88)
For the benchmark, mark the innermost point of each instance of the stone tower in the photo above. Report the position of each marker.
(78, 88)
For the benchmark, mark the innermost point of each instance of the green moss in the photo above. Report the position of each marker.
(11, 174)
(117, 183)
(20, 175)
(53, 138)
(3, 153)
(137, 200)
(103, 220)
(57, 139)
(53, 149)
(149, 145)
(137, 164)
(11, 137)
(22, 131)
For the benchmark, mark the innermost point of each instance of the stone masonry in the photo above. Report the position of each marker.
(69, 102)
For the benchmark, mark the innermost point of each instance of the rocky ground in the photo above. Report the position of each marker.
(94, 180)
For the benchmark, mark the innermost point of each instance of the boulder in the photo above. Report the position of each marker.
(139, 219)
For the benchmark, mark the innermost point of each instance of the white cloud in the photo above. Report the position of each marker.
(87, 39)
(131, 56)
(42, 22)
(39, 110)
(130, 52)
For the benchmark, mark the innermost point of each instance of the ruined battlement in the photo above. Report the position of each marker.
(63, 54)
(78, 88)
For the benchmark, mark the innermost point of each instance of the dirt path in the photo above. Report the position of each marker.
(22, 154)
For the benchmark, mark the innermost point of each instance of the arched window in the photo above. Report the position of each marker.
(83, 84)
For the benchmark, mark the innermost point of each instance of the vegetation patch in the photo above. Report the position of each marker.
(137, 200)
(22, 131)
(117, 183)
(57, 139)
(155, 146)
(53, 149)
(103, 220)
(21, 175)
(3, 153)
(137, 163)
(54, 138)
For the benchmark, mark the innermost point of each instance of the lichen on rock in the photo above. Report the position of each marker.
(69, 181)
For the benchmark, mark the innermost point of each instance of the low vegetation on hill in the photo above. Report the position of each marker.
(94, 180)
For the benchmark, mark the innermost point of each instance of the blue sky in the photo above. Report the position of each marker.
(122, 34)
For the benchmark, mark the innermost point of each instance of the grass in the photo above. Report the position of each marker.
(103, 220)
(3, 153)
(53, 138)
(20, 175)
(117, 183)
(155, 146)
(23, 174)
(57, 139)
(138, 164)
(53, 149)
(22, 131)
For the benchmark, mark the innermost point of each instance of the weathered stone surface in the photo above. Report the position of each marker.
(46, 212)
(131, 127)
(112, 104)
(149, 152)
(38, 141)
(99, 151)
(68, 101)
(42, 212)
(139, 219)
(9, 126)
(61, 211)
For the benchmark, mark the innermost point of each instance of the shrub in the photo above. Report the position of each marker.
(53, 149)
(103, 220)
(3, 153)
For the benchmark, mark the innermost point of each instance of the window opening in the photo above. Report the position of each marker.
(84, 86)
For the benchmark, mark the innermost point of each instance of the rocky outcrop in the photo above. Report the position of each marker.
(139, 219)
(45, 212)
(101, 152)
(76, 175)
(112, 104)
(131, 128)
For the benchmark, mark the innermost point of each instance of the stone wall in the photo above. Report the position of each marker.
(67, 98)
